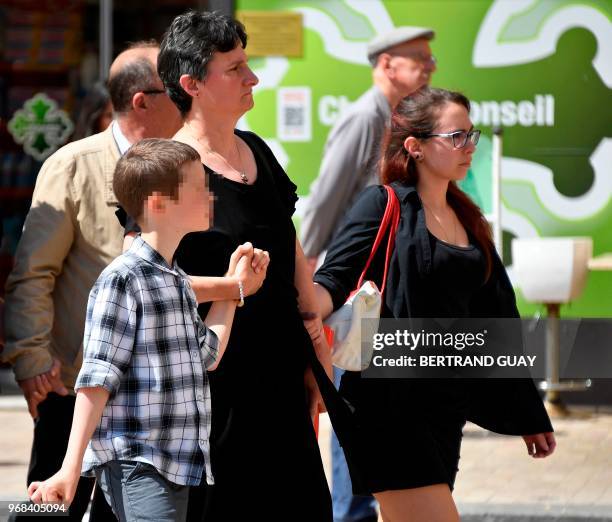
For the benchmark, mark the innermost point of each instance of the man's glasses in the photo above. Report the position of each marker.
(153, 91)
(421, 58)
(460, 138)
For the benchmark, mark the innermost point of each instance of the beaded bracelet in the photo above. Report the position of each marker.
(241, 290)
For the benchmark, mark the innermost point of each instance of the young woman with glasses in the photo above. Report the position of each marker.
(403, 439)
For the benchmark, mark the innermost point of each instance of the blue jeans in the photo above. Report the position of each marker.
(347, 507)
(136, 492)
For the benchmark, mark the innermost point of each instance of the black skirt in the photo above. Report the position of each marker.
(406, 434)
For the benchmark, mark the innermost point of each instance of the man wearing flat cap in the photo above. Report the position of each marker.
(402, 63)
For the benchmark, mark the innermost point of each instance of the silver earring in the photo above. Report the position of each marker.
(418, 156)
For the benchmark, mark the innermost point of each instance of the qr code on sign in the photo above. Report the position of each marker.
(294, 116)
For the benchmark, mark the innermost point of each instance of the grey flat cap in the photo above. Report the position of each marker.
(385, 41)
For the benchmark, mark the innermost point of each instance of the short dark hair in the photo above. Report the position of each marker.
(151, 165)
(189, 44)
(135, 76)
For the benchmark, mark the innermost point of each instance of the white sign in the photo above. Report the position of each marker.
(525, 113)
(293, 114)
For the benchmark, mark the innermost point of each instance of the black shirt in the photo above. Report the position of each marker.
(457, 274)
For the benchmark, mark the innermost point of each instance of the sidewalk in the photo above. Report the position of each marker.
(497, 477)
(497, 480)
(15, 442)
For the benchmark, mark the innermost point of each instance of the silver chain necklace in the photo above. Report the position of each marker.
(243, 176)
(442, 226)
(208, 150)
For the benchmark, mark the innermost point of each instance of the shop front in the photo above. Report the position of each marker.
(52, 54)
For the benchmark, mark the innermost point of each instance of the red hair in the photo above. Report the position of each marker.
(417, 116)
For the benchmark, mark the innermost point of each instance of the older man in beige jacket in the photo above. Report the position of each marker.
(70, 235)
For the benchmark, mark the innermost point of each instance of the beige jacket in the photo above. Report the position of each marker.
(70, 235)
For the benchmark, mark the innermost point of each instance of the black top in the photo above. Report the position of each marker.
(260, 213)
(458, 273)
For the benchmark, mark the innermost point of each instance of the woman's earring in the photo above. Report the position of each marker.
(418, 156)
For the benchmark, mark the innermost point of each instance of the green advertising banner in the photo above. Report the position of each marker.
(541, 69)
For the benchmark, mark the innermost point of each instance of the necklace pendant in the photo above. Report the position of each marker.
(244, 178)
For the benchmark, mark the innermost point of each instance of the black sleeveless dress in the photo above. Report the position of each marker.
(264, 452)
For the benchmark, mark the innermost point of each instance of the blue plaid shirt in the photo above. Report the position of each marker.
(145, 343)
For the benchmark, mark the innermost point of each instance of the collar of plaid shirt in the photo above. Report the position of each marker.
(145, 251)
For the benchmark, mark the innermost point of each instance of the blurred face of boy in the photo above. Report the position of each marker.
(192, 211)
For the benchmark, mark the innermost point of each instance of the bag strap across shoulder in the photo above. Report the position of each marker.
(390, 221)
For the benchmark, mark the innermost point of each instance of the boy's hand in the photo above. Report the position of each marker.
(249, 265)
(35, 389)
(61, 487)
(251, 280)
(245, 249)
(261, 260)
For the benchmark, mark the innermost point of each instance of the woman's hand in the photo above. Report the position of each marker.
(313, 325)
(540, 445)
(315, 400)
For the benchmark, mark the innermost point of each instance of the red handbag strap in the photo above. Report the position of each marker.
(390, 219)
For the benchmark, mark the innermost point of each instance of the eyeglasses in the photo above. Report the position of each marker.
(153, 91)
(460, 138)
(422, 58)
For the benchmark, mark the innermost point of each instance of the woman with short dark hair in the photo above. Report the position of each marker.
(264, 450)
(403, 436)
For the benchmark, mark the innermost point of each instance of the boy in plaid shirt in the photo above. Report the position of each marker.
(143, 399)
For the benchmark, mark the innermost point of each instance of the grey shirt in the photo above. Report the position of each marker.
(350, 163)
